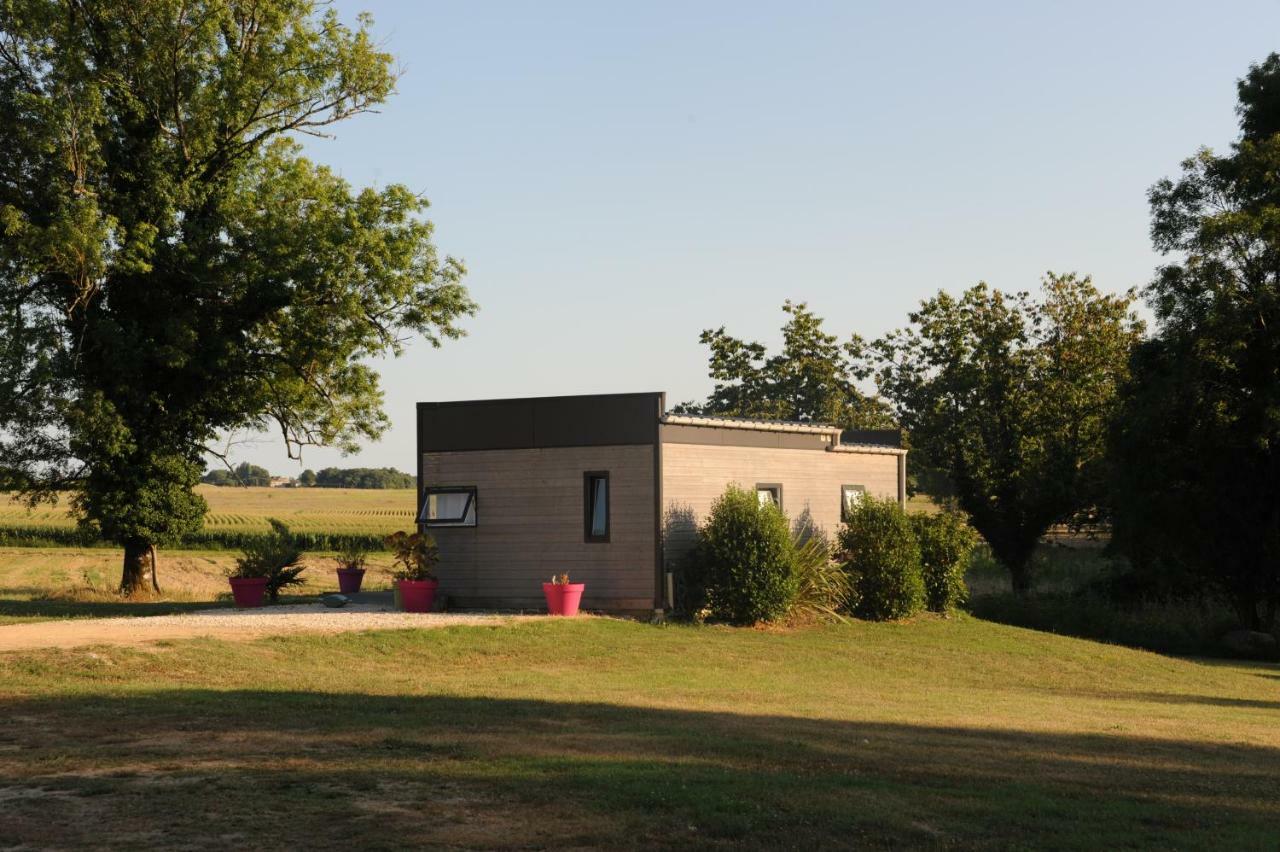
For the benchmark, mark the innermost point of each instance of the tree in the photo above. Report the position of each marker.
(1197, 447)
(172, 268)
(242, 474)
(1012, 398)
(307, 479)
(363, 477)
(812, 379)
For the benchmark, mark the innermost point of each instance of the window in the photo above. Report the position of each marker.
(449, 507)
(769, 492)
(850, 496)
(595, 504)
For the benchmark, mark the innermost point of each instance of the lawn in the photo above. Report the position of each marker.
(599, 732)
(42, 583)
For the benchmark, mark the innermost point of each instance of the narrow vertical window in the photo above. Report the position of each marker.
(595, 501)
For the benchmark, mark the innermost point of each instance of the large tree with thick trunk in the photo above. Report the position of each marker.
(171, 267)
(1012, 397)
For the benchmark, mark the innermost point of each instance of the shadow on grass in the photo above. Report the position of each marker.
(217, 768)
(1208, 700)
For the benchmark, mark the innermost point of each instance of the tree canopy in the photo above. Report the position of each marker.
(1197, 446)
(1012, 398)
(364, 477)
(173, 268)
(812, 379)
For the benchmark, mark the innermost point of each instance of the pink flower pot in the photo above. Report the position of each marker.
(563, 598)
(349, 580)
(248, 591)
(417, 595)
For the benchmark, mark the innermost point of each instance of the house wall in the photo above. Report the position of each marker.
(694, 475)
(529, 525)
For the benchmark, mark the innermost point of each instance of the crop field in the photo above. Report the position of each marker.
(330, 513)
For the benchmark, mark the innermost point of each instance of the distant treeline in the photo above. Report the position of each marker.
(359, 477)
(329, 477)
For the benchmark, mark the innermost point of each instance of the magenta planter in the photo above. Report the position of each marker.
(349, 580)
(417, 595)
(248, 591)
(563, 598)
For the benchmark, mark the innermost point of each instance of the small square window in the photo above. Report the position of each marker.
(769, 492)
(850, 497)
(595, 505)
(454, 506)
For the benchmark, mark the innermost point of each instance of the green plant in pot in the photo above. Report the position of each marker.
(416, 555)
(351, 566)
(267, 565)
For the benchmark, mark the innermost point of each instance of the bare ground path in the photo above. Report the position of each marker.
(229, 624)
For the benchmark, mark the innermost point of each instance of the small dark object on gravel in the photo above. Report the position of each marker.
(335, 601)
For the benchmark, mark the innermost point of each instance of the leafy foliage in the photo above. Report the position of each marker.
(416, 555)
(353, 555)
(946, 542)
(171, 266)
(823, 588)
(274, 556)
(243, 474)
(881, 555)
(812, 379)
(746, 559)
(363, 477)
(1012, 397)
(1197, 447)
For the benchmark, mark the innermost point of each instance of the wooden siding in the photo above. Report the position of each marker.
(694, 475)
(529, 525)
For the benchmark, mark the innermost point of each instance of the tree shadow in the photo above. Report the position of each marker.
(219, 768)
(1208, 700)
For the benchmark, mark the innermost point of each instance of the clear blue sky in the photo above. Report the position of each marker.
(618, 177)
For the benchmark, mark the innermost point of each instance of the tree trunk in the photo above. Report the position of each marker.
(138, 574)
(1020, 578)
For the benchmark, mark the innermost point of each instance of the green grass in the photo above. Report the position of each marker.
(948, 733)
(42, 584)
(1067, 599)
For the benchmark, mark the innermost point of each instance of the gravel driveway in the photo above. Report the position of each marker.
(230, 624)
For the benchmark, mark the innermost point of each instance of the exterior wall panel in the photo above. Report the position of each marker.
(530, 525)
(694, 475)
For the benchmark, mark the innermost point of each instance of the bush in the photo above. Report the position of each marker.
(274, 556)
(946, 542)
(416, 555)
(882, 557)
(745, 559)
(823, 588)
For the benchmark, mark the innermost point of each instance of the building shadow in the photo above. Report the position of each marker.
(205, 768)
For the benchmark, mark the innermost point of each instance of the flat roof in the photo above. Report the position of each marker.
(792, 426)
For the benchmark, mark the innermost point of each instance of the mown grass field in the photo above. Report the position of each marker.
(312, 510)
(603, 733)
(43, 583)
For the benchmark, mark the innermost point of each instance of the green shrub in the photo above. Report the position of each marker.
(746, 559)
(823, 588)
(946, 542)
(274, 556)
(882, 557)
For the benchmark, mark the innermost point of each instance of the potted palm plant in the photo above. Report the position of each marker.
(268, 563)
(351, 558)
(415, 556)
(562, 596)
